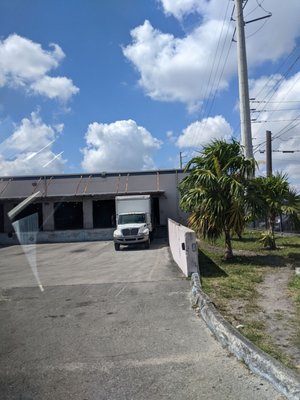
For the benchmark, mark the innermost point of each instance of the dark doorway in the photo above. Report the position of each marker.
(1, 218)
(104, 213)
(68, 215)
(156, 214)
(32, 209)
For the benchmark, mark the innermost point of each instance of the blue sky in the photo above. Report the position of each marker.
(89, 86)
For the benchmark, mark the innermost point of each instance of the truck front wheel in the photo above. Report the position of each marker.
(117, 246)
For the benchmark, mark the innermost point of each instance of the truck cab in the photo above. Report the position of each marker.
(134, 223)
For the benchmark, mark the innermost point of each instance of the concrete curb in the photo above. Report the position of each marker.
(282, 378)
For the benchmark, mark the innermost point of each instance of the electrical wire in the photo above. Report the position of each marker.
(254, 9)
(272, 91)
(259, 29)
(212, 87)
(215, 57)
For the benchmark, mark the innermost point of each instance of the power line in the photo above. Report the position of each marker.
(276, 102)
(259, 5)
(210, 104)
(282, 132)
(276, 110)
(215, 56)
(277, 85)
(275, 120)
(281, 151)
(221, 54)
(259, 29)
(286, 129)
(212, 87)
(271, 77)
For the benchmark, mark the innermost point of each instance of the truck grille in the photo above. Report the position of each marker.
(130, 232)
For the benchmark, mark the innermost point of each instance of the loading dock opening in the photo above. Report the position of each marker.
(68, 215)
(104, 213)
(1, 218)
(32, 209)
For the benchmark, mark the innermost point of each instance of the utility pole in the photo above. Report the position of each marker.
(243, 81)
(269, 152)
(180, 158)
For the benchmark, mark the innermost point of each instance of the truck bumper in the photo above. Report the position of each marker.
(131, 239)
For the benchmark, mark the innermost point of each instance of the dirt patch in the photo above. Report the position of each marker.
(279, 313)
(274, 310)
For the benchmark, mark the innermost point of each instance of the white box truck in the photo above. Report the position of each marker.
(134, 221)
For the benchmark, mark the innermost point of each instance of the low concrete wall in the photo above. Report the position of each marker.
(183, 247)
(81, 235)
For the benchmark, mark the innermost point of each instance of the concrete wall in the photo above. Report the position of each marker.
(183, 247)
(82, 235)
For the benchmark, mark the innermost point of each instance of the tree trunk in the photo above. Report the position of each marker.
(228, 252)
(272, 231)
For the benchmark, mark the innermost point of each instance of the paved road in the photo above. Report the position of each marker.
(110, 326)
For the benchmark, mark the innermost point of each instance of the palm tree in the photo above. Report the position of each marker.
(214, 192)
(274, 197)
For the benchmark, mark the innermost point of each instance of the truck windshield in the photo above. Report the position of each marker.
(132, 219)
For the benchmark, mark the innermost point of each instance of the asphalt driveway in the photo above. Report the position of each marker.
(109, 325)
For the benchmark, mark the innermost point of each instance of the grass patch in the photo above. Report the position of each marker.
(232, 285)
(294, 286)
(294, 289)
(254, 331)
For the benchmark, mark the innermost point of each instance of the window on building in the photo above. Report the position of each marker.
(104, 214)
(68, 215)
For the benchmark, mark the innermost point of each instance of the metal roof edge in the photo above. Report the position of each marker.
(103, 174)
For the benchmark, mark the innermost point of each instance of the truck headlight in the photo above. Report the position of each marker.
(117, 233)
(144, 231)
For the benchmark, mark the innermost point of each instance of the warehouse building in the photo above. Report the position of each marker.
(82, 207)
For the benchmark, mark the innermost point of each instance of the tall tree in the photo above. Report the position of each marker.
(214, 192)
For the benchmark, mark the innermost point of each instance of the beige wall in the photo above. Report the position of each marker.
(184, 248)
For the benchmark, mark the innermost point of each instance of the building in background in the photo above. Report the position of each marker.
(82, 207)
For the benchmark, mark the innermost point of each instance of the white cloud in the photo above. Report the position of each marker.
(282, 114)
(119, 146)
(200, 133)
(29, 148)
(171, 137)
(179, 68)
(282, 28)
(59, 87)
(278, 36)
(175, 69)
(181, 8)
(25, 64)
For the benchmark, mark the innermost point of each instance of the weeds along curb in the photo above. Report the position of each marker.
(282, 378)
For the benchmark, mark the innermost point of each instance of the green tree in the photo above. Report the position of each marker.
(272, 197)
(214, 192)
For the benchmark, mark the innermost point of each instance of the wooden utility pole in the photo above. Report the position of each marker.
(269, 152)
(180, 158)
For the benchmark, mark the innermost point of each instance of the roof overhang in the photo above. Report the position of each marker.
(95, 196)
